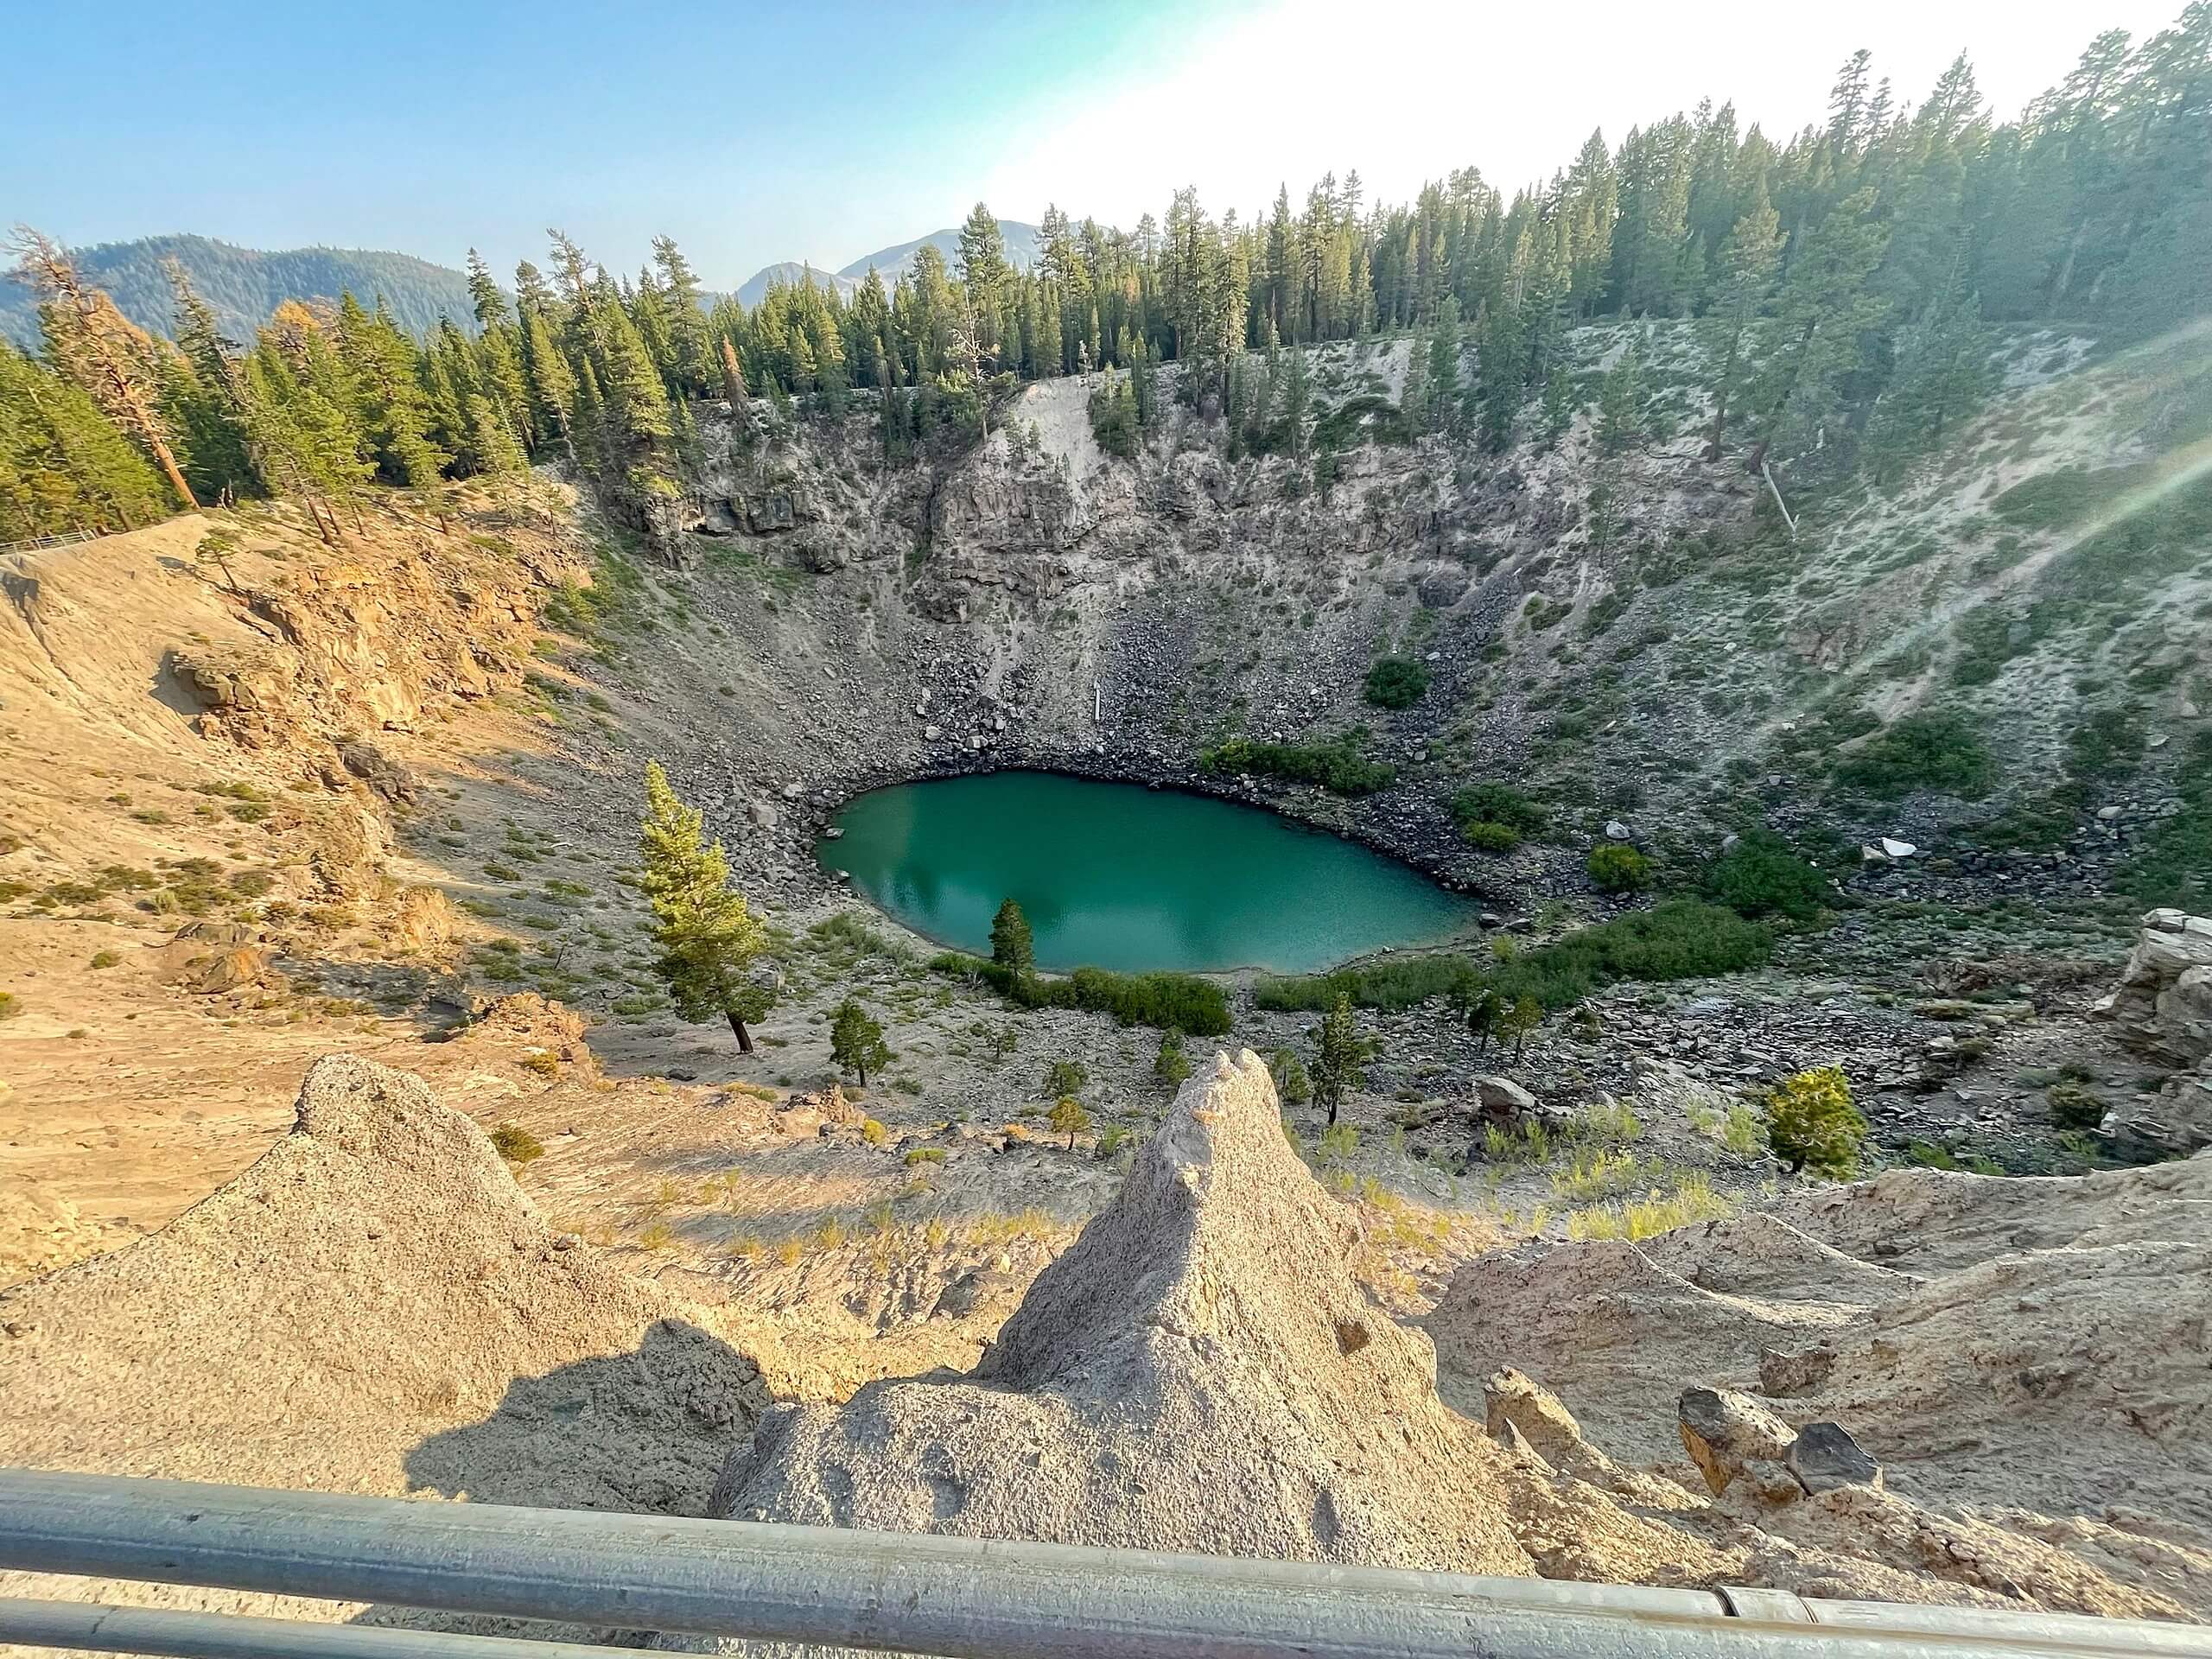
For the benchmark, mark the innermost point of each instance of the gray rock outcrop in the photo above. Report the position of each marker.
(1722, 1430)
(1198, 1371)
(2163, 1004)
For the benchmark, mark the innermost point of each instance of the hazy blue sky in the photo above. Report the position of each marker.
(826, 129)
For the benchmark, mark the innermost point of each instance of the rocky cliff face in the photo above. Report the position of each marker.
(2164, 1006)
(1675, 656)
(377, 642)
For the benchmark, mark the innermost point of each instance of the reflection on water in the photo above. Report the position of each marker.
(1132, 879)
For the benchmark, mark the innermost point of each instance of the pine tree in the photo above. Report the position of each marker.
(629, 386)
(1620, 400)
(1479, 1009)
(1068, 1117)
(492, 442)
(1294, 398)
(1011, 947)
(1340, 1057)
(204, 398)
(1412, 396)
(490, 305)
(63, 466)
(1499, 361)
(733, 376)
(1444, 387)
(385, 373)
(550, 383)
(299, 418)
(1826, 313)
(1729, 331)
(856, 1040)
(1945, 370)
(982, 266)
(1520, 1017)
(707, 940)
(89, 340)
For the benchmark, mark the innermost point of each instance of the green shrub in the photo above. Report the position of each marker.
(1396, 682)
(1171, 1065)
(104, 958)
(1682, 938)
(1494, 803)
(1065, 1078)
(1761, 876)
(1811, 1123)
(1615, 868)
(1935, 749)
(925, 1155)
(1293, 1086)
(1925, 1154)
(2108, 741)
(1336, 764)
(2074, 1107)
(1183, 1000)
(1486, 836)
(2172, 865)
(516, 1144)
(1395, 984)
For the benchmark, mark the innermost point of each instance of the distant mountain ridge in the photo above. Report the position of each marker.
(245, 285)
(1024, 246)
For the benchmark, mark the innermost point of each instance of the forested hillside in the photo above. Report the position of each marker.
(1845, 281)
(245, 286)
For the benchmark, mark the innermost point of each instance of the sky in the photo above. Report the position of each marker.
(825, 129)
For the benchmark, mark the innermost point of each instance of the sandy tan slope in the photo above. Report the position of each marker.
(374, 1305)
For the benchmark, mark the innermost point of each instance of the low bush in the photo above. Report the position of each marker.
(1936, 749)
(1183, 1001)
(1693, 1200)
(2064, 495)
(1498, 804)
(1812, 1123)
(1171, 1065)
(2075, 1107)
(1682, 938)
(1399, 982)
(1615, 868)
(1485, 836)
(2107, 742)
(516, 1144)
(1336, 764)
(1396, 682)
(2172, 864)
(1761, 876)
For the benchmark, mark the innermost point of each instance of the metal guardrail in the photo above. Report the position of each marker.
(967, 1598)
(64, 538)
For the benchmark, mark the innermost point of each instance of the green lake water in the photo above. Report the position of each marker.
(1119, 876)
